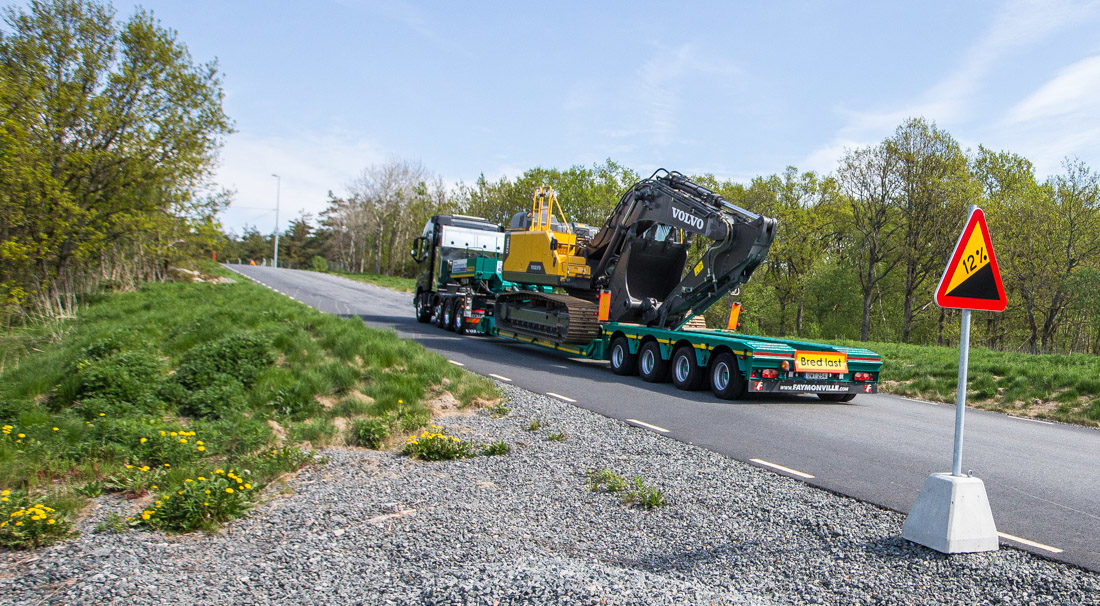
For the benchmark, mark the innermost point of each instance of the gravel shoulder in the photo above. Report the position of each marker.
(373, 527)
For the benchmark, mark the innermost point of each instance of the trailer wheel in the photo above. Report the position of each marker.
(423, 308)
(622, 361)
(837, 397)
(686, 374)
(448, 315)
(651, 366)
(458, 318)
(726, 380)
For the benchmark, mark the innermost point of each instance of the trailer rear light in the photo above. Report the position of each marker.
(479, 311)
(755, 374)
(863, 376)
(769, 373)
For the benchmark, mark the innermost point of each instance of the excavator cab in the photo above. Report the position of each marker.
(540, 246)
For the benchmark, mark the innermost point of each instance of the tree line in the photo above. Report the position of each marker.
(109, 132)
(858, 254)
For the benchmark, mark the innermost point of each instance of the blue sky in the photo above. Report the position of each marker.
(320, 90)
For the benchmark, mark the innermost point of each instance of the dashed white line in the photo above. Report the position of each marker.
(559, 396)
(781, 468)
(1032, 420)
(456, 363)
(647, 425)
(496, 376)
(1030, 543)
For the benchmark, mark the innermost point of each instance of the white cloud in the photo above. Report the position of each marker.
(948, 101)
(1074, 90)
(309, 166)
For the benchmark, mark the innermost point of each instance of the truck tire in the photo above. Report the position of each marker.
(726, 380)
(686, 374)
(836, 397)
(458, 317)
(439, 313)
(448, 315)
(651, 367)
(622, 361)
(423, 308)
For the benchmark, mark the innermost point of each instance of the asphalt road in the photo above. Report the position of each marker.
(1042, 479)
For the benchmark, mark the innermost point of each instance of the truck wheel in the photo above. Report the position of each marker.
(439, 313)
(423, 309)
(686, 374)
(726, 380)
(622, 361)
(651, 366)
(458, 318)
(448, 315)
(836, 397)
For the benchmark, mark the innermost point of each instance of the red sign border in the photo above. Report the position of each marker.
(977, 218)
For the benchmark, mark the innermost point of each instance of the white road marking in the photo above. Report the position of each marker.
(1032, 420)
(496, 376)
(559, 396)
(1031, 543)
(559, 366)
(456, 363)
(647, 425)
(781, 468)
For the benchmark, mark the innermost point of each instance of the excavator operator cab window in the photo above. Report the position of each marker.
(521, 221)
(664, 233)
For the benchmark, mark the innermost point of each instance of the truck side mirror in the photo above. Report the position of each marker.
(420, 249)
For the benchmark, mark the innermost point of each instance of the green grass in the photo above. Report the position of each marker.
(142, 391)
(392, 282)
(1060, 387)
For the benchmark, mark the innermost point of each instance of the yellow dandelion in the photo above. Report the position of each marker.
(129, 466)
(51, 521)
(201, 448)
(248, 486)
(5, 493)
(4, 499)
(199, 442)
(143, 440)
(207, 491)
(22, 435)
(102, 414)
(202, 479)
(183, 440)
(229, 490)
(55, 429)
(219, 471)
(162, 433)
(167, 465)
(18, 523)
(145, 516)
(205, 504)
(153, 487)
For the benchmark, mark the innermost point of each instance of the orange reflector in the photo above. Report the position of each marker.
(605, 305)
(735, 313)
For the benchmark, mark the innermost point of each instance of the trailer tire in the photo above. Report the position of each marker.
(622, 361)
(651, 367)
(726, 380)
(686, 374)
(458, 318)
(837, 397)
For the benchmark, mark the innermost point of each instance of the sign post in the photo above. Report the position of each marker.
(952, 514)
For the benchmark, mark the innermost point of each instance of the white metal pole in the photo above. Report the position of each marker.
(278, 186)
(960, 389)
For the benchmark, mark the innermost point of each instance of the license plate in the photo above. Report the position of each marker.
(818, 375)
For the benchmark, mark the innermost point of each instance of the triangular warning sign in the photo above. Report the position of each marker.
(972, 279)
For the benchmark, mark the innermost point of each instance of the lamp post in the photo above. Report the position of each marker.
(278, 184)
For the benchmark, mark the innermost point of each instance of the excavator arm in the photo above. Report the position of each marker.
(640, 253)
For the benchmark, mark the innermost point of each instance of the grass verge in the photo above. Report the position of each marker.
(392, 282)
(1063, 388)
(154, 392)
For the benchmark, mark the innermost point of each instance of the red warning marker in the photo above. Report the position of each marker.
(972, 279)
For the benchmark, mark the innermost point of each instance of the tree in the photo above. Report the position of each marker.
(108, 137)
(869, 179)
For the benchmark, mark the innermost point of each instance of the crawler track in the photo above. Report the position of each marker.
(560, 318)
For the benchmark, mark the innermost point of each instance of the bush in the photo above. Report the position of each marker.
(437, 446)
(26, 525)
(223, 397)
(319, 263)
(241, 356)
(370, 433)
(124, 383)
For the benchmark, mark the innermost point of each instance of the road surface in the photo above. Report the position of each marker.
(1042, 479)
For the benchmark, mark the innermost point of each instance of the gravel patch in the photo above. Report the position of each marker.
(377, 528)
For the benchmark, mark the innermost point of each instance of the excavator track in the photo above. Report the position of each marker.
(558, 318)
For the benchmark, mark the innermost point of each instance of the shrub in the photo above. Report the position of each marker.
(437, 446)
(370, 433)
(222, 397)
(122, 384)
(203, 502)
(241, 356)
(26, 525)
(319, 263)
(496, 448)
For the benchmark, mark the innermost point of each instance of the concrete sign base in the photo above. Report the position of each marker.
(952, 515)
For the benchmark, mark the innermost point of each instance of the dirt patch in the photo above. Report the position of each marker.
(360, 396)
(280, 433)
(341, 425)
(445, 404)
(326, 402)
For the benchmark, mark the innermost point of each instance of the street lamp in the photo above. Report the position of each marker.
(278, 184)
